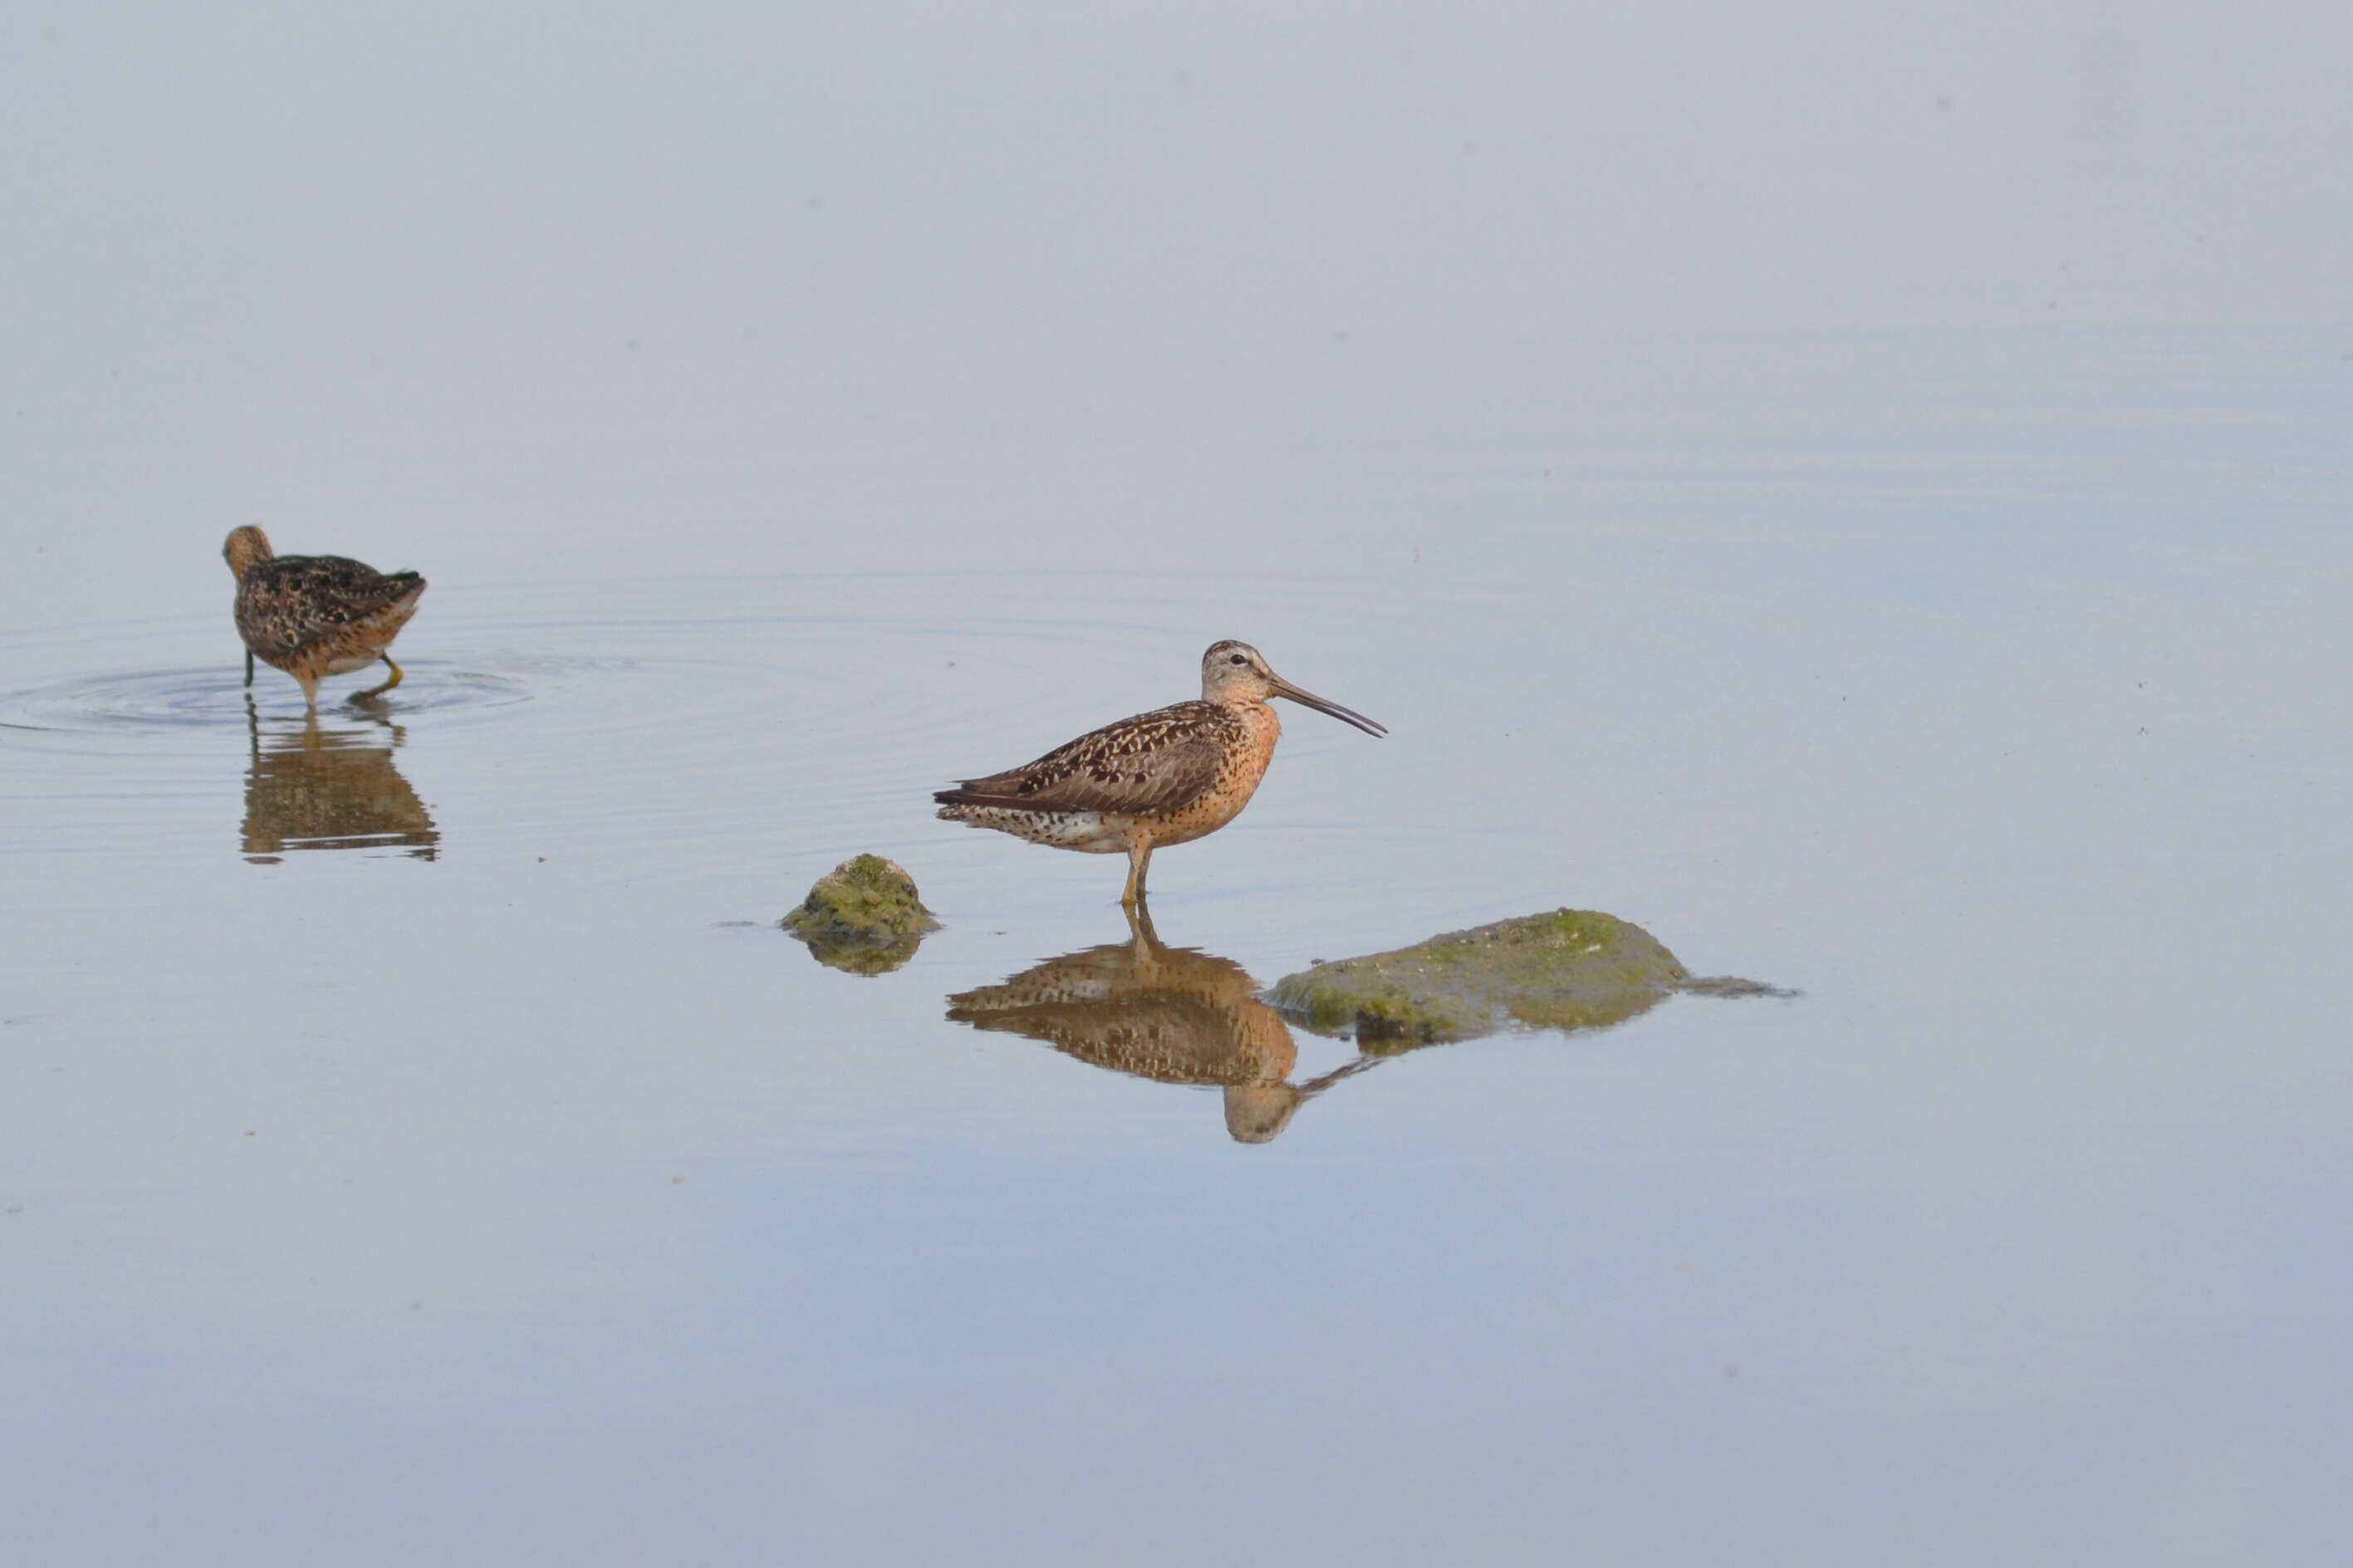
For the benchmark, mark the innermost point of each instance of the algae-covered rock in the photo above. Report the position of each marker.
(1571, 968)
(863, 916)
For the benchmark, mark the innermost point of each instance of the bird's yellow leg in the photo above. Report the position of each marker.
(1139, 928)
(1139, 856)
(380, 690)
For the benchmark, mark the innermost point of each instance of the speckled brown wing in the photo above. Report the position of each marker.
(289, 604)
(1157, 762)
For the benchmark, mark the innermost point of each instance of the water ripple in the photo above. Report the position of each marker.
(183, 698)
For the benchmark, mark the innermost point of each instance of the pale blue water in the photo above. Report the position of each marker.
(416, 1141)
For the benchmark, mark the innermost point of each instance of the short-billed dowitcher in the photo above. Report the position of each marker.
(1164, 777)
(316, 615)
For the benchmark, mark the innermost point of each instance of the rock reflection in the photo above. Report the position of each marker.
(1168, 1014)
(313, 788)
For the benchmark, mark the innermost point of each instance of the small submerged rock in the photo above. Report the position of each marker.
(863, 916)
(1571, 968)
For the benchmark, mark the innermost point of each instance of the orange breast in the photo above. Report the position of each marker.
(1237, 781)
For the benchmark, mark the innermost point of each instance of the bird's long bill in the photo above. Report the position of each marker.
(1346, 715)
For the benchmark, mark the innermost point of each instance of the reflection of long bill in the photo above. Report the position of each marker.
(1170, 1014)
(1256, 1113)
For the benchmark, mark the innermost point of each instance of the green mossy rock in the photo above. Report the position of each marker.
(1571, 968)
(863, 916)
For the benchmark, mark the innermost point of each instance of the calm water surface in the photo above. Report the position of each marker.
(417, 1138)
(1863, 492)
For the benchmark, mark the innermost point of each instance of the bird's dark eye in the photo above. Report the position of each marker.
(1240, 660)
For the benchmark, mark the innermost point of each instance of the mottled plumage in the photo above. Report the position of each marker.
(1155, 761)
(316, 615)
(1169, 776)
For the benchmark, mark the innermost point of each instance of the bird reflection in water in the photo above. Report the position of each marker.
(313, 788)
(1168, 1014)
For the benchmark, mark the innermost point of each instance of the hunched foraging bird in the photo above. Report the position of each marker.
(1169, 776)
(316, 615)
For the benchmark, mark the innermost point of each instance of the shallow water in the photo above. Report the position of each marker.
(1864, 495)
(417, 1130)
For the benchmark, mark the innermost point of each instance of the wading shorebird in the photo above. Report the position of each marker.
(1167, 776)
(316, 615)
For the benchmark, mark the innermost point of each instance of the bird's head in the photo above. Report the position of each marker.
(1234, 673)
(244, 546)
